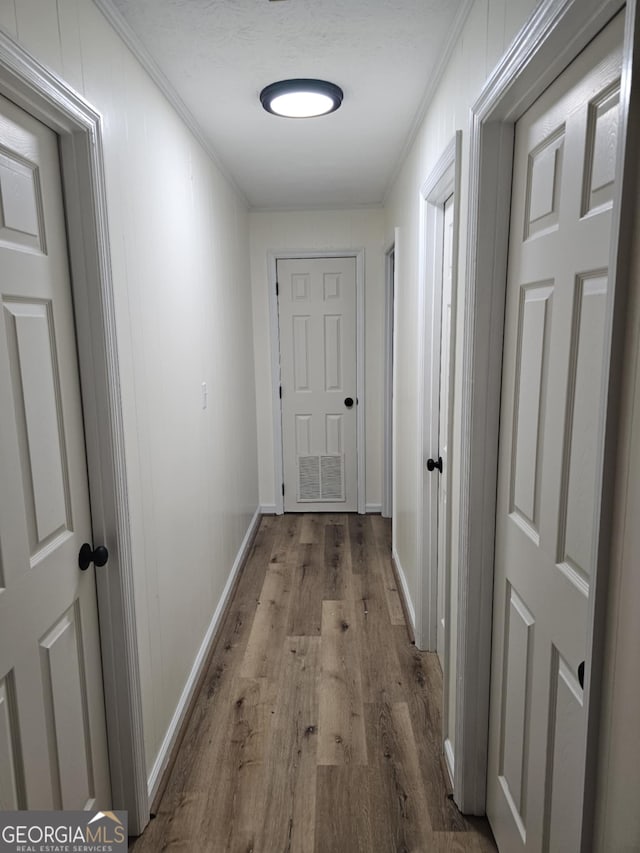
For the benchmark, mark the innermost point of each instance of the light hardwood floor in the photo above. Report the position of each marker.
(317, 728)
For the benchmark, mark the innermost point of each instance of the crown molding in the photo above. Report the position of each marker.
(314, 208)
(146, 60)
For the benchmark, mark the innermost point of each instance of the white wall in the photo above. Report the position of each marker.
(179, 239)
(321, 230)
(489, 29)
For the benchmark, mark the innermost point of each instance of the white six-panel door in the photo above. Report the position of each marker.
(550, 450)
(52, 728)
(317, 323)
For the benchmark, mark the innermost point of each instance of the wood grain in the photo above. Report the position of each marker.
(237, 807)
(337, 574)
(307, 585)
(343, 819)
(263, 657)
(289, 822)
(382, 534)
(312, 528)
(422, 678)
(341, 735)
(381, 676)
(397, 799)
(318, 725)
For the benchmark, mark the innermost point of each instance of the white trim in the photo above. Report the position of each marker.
(268, 509)
(553, 36)
(387, 461)
(432, 86)
(373, 509)
(360, 387)
(137, 48)
(449, 759)
(274, 337)
(623, 252)
(273, 256)
(79, 127)
(175, 726)
(409, 606)
(394, 377)
(320, 206)
(443, 181)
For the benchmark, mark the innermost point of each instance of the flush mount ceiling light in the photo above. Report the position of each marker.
(301, 98)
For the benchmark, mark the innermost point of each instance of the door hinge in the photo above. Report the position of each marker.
(283, 490)
(280, 392)
(277, 289)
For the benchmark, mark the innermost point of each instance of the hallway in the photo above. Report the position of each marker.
(317, 724)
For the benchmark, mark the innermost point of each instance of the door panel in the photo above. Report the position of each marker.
(52, 728)
(11, 785)
(550, 450)
(317, 317)
(36, 399)
(65, 702)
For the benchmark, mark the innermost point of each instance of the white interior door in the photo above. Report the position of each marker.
(317, 318)
(551, 450)
(443, 430)
(52, 729)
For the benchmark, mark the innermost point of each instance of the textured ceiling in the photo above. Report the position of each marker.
(219, 54)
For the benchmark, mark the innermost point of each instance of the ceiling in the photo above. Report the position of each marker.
(218, 54)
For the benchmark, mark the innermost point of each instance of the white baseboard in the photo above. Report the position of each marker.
(410, 610)
(270, 509)
(166, 748)
(449, 759)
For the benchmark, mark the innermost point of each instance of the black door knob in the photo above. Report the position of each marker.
(87, 555)
(348, 401)
(432, 464)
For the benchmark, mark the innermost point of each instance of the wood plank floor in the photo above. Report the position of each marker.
(317, 728)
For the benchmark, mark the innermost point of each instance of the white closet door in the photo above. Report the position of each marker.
(550, 449)
(52, 728)
(317, 317)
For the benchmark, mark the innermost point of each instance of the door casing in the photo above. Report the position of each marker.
(272, 260)
(78, 125)
(442, 182)
(389, 360)
(554, 35)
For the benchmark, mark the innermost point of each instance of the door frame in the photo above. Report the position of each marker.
(78, 126)
(442, 182)
(389, 337)
(273, 257)
(553, 36)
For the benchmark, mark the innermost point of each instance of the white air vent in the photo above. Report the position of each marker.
(321, 478)
(332, 478)
(308, 478)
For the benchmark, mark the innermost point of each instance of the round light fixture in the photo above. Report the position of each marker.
(301, 98)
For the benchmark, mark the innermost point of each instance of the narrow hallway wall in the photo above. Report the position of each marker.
(488, 31)
(180, 248)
